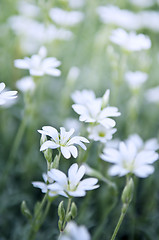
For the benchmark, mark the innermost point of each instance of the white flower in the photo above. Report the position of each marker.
(150, 20)
(66, 18)
(6, 96)
(120, 17)
(100, 133)
(129, 159)
(74, 232)
(38, 65)
(76, 4)
(152, 95)
(135, 79)
(71, 185)
(25, 84)
(63, 141)
(151, 144)
(44, 185)
(83, 97)
(130, 41)
(96, 110)
(143, 3)
(28, 9)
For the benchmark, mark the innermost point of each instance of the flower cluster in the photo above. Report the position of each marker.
(97, 112)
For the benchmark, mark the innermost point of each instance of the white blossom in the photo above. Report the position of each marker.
(152, 95)
(66, 18)
(142, 3)
(83, 97)
(120, 17)
(39, 65)
(130, 159)
(130, 41)
(75, 232)
(100, 133)
(71, 186)
(96, 110)
(151, 144)
(44, 185)
(135, 79)
(76, 4)
(27, 9)
(63, 141)
(25, 84)
(6, 97)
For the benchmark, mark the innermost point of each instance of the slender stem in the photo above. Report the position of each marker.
(67, 211)
(122, 215)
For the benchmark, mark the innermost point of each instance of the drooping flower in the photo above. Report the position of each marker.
(25, 84)
(39, 65)
(100, 133)
(95, 110)
(66, 18)
(71, 186)
(130, 41)
(6, 96)
(135, 79)
(63, 141)
(130, 159)
(75, 232)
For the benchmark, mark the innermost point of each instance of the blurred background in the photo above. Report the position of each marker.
(89, 60)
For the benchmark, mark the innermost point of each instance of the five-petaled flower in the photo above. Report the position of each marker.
(71, 186)
(130, 159)
(62, 140)
(39, 65)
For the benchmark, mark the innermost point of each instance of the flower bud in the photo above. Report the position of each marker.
(48, 155)
(61, 211)
(73, 210)
(25, 211)
(128, 192)
(105, 99)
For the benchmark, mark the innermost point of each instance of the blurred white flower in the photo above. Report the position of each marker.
(120, 17)
(72, 123)
(152, 95)
(6, 97)
(96, 110)
(73, 74)
(151, 144)
(39, 65)
(27, 9)
(44, 185)
(63, 141)
(74, 232)
(100, 133)
(129, 159)
(66, 18)
(130, 41)
(142, 3)
(25, 84)
(135, 79)
(149, 20)
(33, 34)
(83, 97)
(77, 3)
(71, 185)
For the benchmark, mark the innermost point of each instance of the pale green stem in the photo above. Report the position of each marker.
(122, 215)
(67, 211)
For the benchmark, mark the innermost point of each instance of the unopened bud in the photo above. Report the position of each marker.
(25, 211)
(73, 210)
(128, 192)
(105, 99)
(61, 211)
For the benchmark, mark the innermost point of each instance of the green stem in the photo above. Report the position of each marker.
(67, 211)
(122, 215)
